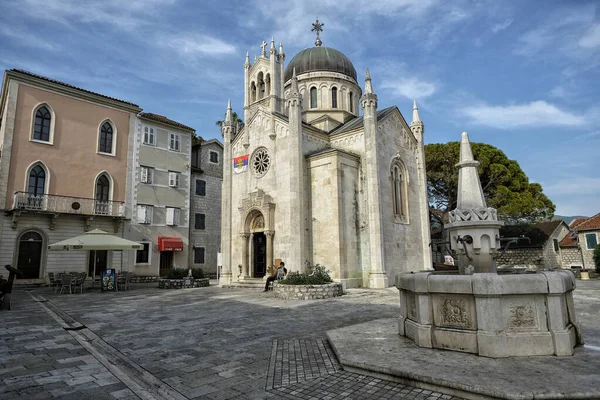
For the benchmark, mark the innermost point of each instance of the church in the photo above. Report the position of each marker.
(309, 180)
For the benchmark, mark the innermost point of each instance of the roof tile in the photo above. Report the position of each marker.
(592, 223)
(165, 120)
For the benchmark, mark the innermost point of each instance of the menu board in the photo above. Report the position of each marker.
(109, 280)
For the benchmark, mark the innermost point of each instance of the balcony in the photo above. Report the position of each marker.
(55, 204)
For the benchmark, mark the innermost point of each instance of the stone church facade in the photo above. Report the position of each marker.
(309, 180)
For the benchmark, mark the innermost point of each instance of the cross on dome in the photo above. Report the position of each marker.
(317, 27)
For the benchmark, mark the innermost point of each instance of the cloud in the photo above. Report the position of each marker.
(194, 45)
(412, 88)
(123, 14)
(534, 114)
(502, 26)
(27, 39)
(591, 38)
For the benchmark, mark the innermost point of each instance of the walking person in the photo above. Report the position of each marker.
(279, 273)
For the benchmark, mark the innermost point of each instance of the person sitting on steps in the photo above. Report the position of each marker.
(279, 273)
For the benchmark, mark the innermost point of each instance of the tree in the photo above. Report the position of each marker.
(597, 257)
(505, 186)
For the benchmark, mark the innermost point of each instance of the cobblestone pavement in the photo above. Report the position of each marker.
(203, 343)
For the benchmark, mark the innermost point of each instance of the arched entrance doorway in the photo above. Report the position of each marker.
(29, 259)
(259, 252)
(257, 234)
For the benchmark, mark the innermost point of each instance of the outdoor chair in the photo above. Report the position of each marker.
(79, 280)
(66, 282)
(54, 281)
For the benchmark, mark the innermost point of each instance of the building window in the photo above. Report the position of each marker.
(213, 157)
(105, 144)
(199, 255)
(143, 256)
(555, 243)
(173, 216)
(173, 179)
(37, 181)
(146, 174)
(149, 135)
(351, 103)
(399, 191)
(200, 187)
(333, 97)
(591, 241)
(102, 195)
(43, 119)
(173, 141)
(313, 97)
(144, 214)
(200, 221)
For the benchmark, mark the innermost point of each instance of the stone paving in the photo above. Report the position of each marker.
(202, 343)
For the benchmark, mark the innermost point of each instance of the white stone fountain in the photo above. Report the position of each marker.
(478, 311)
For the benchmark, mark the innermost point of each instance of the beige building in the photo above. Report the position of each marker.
(160, 194)
(64, 170)
(310, 180)
(577, 248)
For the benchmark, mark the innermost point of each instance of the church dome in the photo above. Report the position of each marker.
(320, 59)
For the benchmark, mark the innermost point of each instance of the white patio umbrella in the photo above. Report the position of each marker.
(96, 239)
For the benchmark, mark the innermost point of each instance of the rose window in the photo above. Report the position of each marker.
(260, 162)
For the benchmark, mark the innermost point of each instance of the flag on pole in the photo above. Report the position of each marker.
(240, 164)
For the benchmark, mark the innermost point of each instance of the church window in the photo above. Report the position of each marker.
(199, 255)
(351, 108)
(261, 85)
(268, 84)
(260, 162)
(334, 97)
(313, 97)
(399, 192)
(252, 92)
(37, 181)
(200, 221)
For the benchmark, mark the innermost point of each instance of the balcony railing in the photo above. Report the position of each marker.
(67, 205)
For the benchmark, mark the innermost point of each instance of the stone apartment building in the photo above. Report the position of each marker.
(577, 248)
(60, 174)
(205, 205)
(160, 194)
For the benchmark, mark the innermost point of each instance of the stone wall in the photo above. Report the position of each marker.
(522, 258)
(570, 256)
(181, 283)
(307, 292)
(143, 279)
(210, 206)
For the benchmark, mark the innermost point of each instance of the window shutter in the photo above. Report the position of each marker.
(170, 215)
(176, 214)
(151, 136)
(144, 175)
(146, 134)
(141, 214)
(176, 179)
(171, 179)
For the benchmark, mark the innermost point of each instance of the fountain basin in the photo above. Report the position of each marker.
(489, 314)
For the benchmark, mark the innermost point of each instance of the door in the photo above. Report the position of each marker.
(260, 255)
(29, 258)
(166, 261)
(97, 261)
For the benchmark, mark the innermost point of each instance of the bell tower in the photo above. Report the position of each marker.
(263, 80)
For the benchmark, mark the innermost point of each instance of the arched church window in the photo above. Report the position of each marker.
(334, 97)
(261, 85)
(313, 97)
(261, 161)
(399, 192)
(351, 103)
(252, 92)
(268, 84)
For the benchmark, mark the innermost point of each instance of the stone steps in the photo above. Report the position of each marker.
(252, 283)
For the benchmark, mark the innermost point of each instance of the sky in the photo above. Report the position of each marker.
(520, 75)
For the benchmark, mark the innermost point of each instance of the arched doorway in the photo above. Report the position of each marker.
(259, 253)
(257, 234)
(29, 259)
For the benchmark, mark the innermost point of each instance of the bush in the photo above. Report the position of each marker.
(177, 273)
(316, 275)
(197, 273)
(597, 257)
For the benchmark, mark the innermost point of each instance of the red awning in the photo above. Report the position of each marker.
(170, 244)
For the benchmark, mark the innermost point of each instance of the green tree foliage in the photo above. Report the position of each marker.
(236, 120)
(597, 257)
(505, 185)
